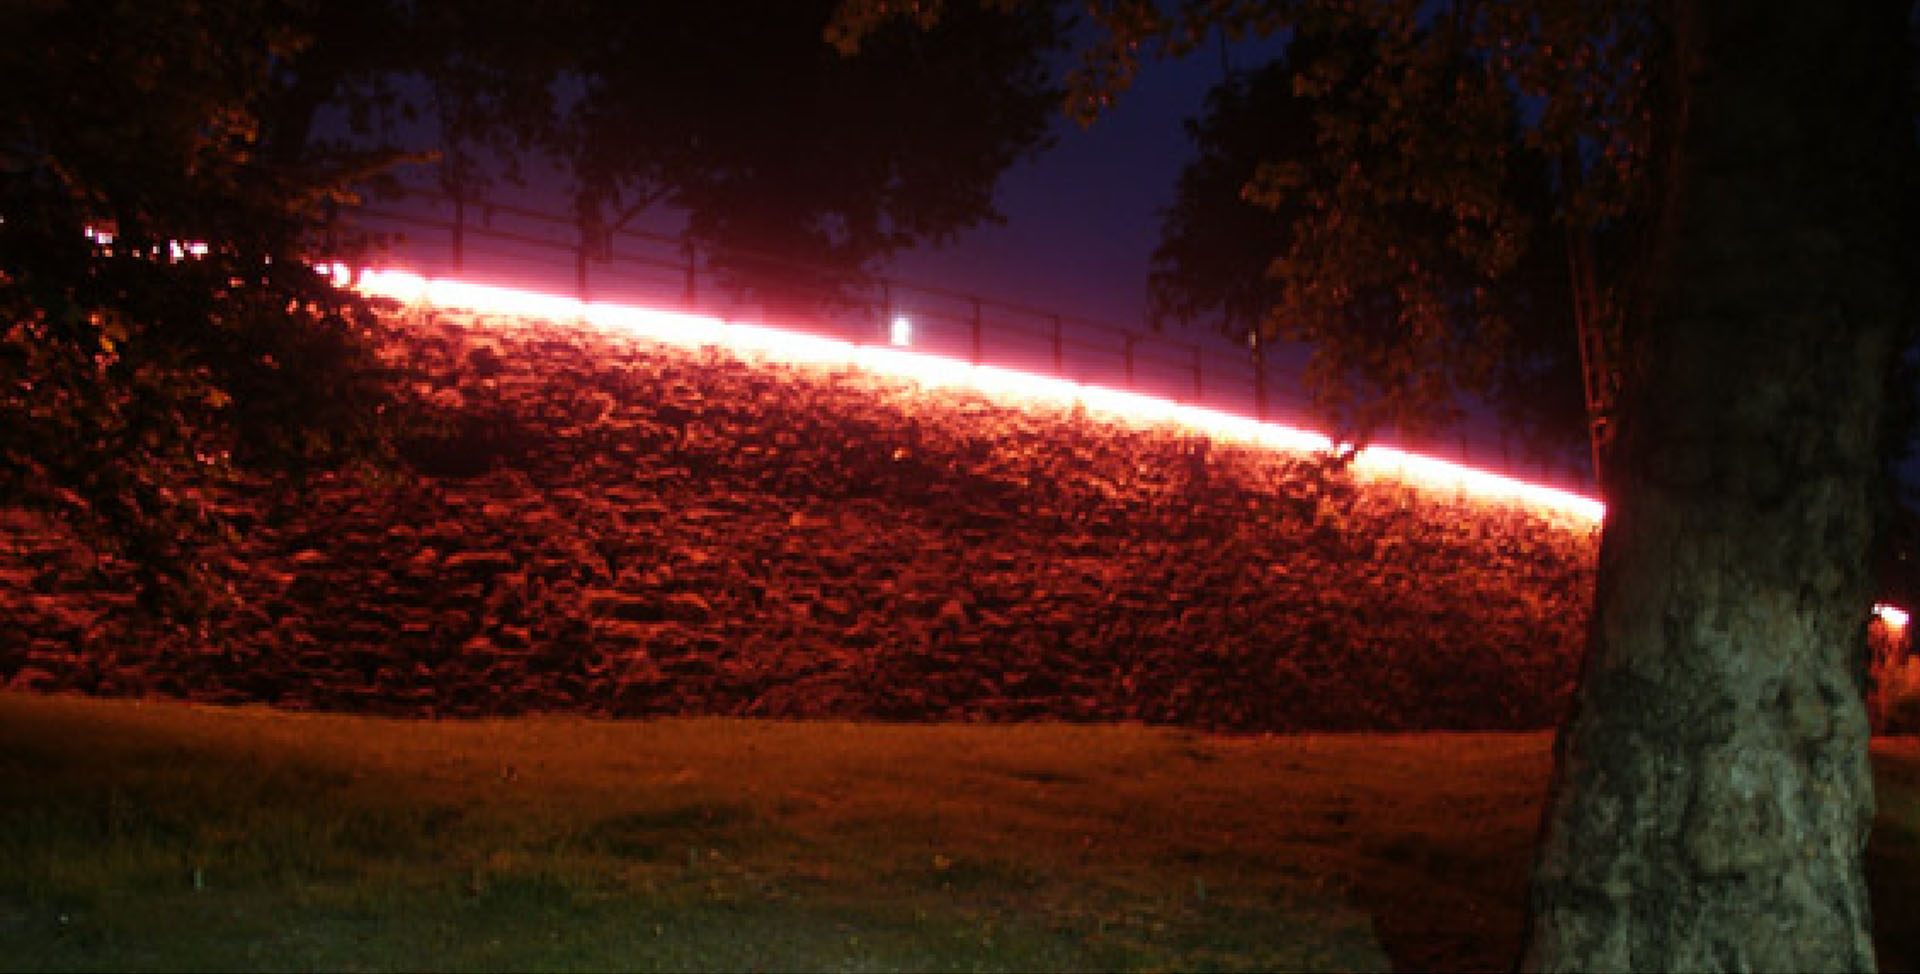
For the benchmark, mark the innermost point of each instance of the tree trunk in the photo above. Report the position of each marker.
(1712, 795)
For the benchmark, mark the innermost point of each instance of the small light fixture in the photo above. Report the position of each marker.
(902, 332)
(1893, 616)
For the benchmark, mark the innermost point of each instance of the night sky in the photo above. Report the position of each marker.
(1083, 218)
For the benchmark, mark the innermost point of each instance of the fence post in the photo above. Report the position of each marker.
(693, 274)
(330, 218)
(581, 233)
(1129, 358)
(459, 233)
(1059, 350)
(977, 348)
(580, 272)
(1259, 383)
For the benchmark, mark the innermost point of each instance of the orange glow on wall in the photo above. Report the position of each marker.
(935, 371)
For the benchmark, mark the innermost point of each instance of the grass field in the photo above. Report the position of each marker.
(150, 835)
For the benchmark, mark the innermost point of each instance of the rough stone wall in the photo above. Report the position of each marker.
(617, 527)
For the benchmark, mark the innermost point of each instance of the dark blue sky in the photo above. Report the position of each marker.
(1082, 219)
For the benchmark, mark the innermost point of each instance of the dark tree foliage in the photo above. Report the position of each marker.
(798, 167)
(481, 71)
(1231, 262)
(1215, 248)
(794, 167)
(133, 366)
(1448, 157)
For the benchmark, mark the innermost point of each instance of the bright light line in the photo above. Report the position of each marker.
(679, 328)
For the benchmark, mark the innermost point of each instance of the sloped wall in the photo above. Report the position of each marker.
(611, 526)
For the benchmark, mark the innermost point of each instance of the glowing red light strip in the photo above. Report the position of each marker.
(1381, 463)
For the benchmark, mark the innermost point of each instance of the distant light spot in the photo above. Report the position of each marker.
(1893, 616)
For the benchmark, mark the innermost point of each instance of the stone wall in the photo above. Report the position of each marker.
(611, 526)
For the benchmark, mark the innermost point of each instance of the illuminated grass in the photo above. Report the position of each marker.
(149, 835)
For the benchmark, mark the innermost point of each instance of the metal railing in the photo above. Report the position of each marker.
(523, 247)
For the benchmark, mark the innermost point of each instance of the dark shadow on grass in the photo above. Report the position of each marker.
(1893, 882)
(664, 834)
(1893, 863)
(1439, 912)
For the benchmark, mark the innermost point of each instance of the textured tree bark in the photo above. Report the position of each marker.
(1712, 794)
